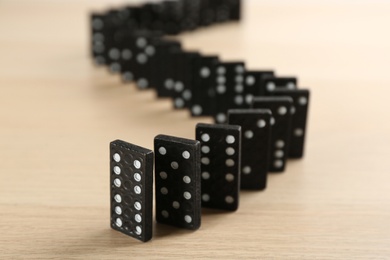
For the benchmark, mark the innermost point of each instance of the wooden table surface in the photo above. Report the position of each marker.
(58, 114)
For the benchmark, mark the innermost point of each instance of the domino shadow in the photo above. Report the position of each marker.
(93, 243)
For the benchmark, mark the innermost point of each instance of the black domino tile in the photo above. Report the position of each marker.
(126, 53)
(114, 52)
(182, 90)
(104, 26)
(222, 11)
(97, 38)
(165, 67)
(207, 13)
(172, 16)
(255, 145)
(235, 10)
(298, 131)
(281, 119)
(229, 87)
(253, 84)
(203, 82)
(148, 14)
(144, 54)
(131, 189)
(220, 165)
(113, 23)
(177, 174)
(154, 63)
(191, 18)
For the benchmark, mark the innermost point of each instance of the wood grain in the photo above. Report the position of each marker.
(58, 114)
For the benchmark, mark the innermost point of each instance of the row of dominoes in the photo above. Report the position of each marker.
(261, 117)
(168, 17)
(110, 29)
(189, 174)
(203, 84)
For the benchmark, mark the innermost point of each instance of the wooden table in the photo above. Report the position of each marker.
(58, 114)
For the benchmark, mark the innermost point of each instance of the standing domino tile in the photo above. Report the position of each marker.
(113, 21)
(184, 65)
(143, 54)
(136, 56)
(125, 55)
(298, 126)
(253, 84)
(203, 92)
(131, 185)
(97, 38)
(102, 38)
(220, 165)
(235, 10)
(191, 19)
(229, 82)
(177, 174)
(256, 137)
(173, 14)
(165, 67)
(281, 125)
